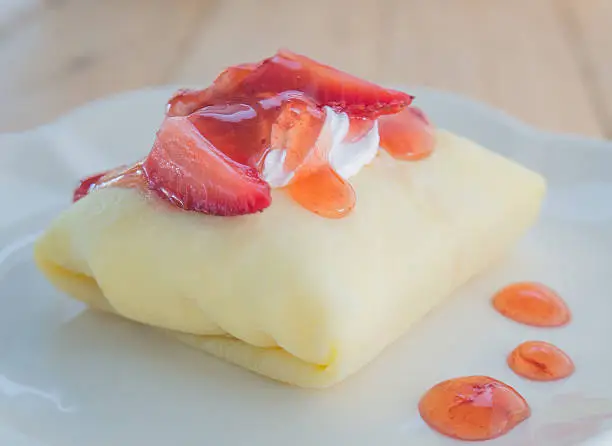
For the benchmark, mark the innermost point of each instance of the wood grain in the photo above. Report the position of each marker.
(545, 61)
(74, 51)
(589, 26)
(513, 56)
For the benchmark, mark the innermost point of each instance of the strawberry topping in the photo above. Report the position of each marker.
(323, 192)
(326, 85)
(185, 168)
(247, 130)
(287, 71)
(213, 145)
(407, 135)
(185, 102)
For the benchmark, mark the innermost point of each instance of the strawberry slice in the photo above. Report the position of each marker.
(189, 171)
(326, 85)
(288, 71)
(185, 102)
(407, 135)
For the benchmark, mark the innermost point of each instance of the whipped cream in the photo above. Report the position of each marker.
(346, 158)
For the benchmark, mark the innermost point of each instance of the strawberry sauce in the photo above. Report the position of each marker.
(407, 135)
(532, 304)
(477, 408)
(209, 152)
(473, 408)
(540, 361)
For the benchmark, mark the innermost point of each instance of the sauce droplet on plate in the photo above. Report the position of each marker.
(532, 304)
(473, 408)
(540, 361)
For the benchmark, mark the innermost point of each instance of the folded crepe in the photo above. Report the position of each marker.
(288, 294)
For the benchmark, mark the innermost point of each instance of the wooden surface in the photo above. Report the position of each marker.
(548, 62)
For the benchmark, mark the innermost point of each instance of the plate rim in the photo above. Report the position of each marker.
(485, 112)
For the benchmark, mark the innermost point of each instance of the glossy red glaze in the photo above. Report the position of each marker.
(540, 361)
(245, 131)
(532, 304)
(407, 135)
(86, 185)
(185, 102)
(323, 192)
(123, 176)
(473, 408)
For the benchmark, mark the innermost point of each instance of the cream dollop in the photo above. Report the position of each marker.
(346, 158)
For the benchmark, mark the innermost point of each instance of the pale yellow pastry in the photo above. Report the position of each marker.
(286, 293)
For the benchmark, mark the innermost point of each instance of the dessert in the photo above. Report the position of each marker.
(291, 219)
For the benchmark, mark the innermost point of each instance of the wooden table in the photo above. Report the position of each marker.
(549, 62)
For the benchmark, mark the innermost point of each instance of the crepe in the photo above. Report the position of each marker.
(288, 294)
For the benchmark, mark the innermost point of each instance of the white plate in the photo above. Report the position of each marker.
(74, 377)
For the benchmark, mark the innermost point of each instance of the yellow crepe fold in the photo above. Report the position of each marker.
(288, 294)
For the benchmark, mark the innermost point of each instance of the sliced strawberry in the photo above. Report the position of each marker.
(188, 170)
(185, 102)
(326, 85)
(407, 135)
(287, 71)
(245, 131)
(86, 185)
